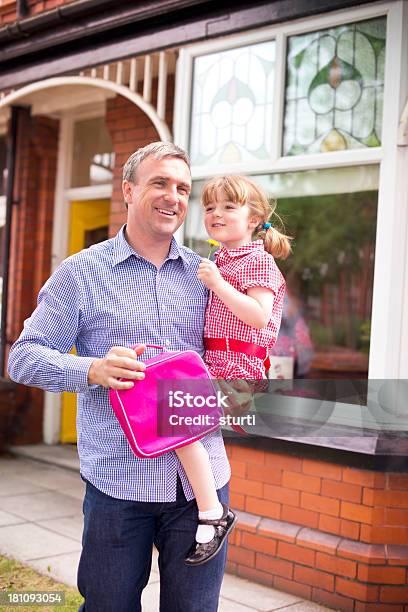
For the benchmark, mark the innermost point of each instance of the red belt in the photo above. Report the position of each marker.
(236, 346)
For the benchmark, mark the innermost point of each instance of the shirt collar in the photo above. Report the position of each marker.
(245, 249)
(122, 249)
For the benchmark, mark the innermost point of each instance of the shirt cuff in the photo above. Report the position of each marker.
(76, 373)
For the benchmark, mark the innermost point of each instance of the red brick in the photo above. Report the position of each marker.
(392, 499)
(284, 462)
(256, 542)
(324, 505)
(290, 586)
(249, 455)
(298, 554)
(238, 468)
(241, 556)
(363, 592)
(384, 535)
(314, 578)
(350, 529)
(366, 478)
(342, 490)
(377, 607)
(282, 495)
(264, 474)
(255, 575)
(324, 470)
(394, 594)
(246, 487)
(356, 512)
(335, 601)
(301, 482)
(395, 516)
(306, 518)
(397, 481)
(381, 575)
(263, 507)
(237, 501)
(278, 567)
(336, 565)
(329, 524)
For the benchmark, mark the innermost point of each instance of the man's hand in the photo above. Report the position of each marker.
(209, 274)
(119, 362)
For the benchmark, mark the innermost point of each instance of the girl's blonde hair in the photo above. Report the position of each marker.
(241, 190)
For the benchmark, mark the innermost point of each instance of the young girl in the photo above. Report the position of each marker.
(241, 325)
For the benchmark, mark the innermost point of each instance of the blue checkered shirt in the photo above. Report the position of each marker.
(106, 296)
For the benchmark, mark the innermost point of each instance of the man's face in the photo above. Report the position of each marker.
(157, 200)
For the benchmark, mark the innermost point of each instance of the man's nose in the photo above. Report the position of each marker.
(171, 195)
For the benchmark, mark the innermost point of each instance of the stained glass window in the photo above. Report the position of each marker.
(231, 119)
(334, 89)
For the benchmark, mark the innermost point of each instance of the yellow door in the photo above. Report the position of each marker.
(89, 225)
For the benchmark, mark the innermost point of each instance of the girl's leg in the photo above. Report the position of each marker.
(215, 520)
(196, 463)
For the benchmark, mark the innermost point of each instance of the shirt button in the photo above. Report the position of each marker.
(164, 306)
(167, 342)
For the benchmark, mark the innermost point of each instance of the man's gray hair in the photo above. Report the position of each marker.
(158, 150)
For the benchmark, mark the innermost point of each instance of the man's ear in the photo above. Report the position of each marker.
(127, 189)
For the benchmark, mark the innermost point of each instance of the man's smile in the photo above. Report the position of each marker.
(168, 213)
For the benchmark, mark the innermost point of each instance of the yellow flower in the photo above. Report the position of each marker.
(214, 245)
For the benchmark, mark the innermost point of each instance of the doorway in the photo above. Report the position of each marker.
(89, 225)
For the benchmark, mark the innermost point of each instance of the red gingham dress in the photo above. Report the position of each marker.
(244, 267)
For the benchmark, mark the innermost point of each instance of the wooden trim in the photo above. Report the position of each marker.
(30, 60)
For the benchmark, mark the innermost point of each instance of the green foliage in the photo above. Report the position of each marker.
(330, 232)
(15, 576)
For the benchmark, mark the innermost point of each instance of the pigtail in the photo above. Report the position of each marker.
(275, 242)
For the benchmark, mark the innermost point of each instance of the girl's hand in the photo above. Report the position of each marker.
(209, 274)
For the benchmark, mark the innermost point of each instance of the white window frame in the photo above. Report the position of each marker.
(389, 331)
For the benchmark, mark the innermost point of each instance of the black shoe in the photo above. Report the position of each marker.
(201, 553)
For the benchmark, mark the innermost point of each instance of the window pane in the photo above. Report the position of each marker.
(332, 216)
(94, 160)
(334, 89)
(232, 105)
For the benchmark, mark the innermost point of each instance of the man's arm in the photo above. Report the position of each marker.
(253, 308)
(41, 356)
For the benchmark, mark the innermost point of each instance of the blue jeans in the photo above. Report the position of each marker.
(117, 552)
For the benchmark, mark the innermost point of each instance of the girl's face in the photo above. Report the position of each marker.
(232, 224)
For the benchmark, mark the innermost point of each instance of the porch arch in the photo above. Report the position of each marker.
(148, 108)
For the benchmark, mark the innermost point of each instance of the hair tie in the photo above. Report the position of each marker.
(266, 226)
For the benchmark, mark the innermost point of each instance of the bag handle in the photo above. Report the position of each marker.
(155, 346)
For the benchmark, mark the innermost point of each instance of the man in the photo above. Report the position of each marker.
(139, 287)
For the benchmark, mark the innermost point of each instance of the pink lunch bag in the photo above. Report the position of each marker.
(143, 410)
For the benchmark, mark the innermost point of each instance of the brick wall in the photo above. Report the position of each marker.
(130, 128)
(8, 11)
(333, 534)
(31, 236)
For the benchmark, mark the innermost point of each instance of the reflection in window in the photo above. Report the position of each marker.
(231, 118)
(334, 89)
(332, 216)
(93, 160)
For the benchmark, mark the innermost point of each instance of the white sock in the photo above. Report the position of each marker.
(205, 533)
